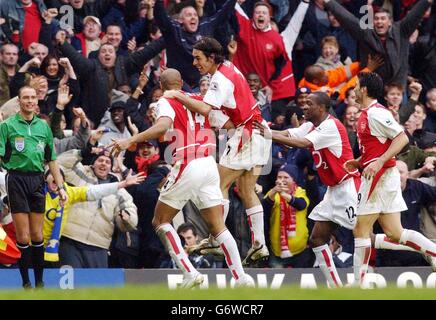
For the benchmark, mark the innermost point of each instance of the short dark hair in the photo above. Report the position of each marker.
(24, 88)
(383, 10)
(373, 84)
(184, 227)
(322, 98)
(210, 48)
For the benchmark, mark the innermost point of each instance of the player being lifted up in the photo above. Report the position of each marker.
(246, 151)
(381, 138)
(327, 139)
(194, 176)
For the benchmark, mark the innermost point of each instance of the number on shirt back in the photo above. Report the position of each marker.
(350, 213)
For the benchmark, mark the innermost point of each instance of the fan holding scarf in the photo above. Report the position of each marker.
(285, 207)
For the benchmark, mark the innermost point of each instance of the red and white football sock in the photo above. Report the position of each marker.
(231, 253)
(172, 243)
(255, 220)
(383, 242)
(325, 261)
(418, 242)
(362, 253)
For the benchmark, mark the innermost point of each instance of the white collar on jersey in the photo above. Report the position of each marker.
(373, 102)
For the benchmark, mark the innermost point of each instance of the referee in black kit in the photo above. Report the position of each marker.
(26, 142)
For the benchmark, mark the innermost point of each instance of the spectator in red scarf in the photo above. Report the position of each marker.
(147, 153)
(285, 208)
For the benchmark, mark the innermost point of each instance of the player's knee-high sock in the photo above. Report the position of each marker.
(325, 260)
(38, 261)
(362, 253)
(231, 253)
(418, 242)
(24, 262)
(383, 242)
(226, 207)
(172, 243)
(255, 220)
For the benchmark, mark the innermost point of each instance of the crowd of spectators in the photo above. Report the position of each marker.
(95, 66)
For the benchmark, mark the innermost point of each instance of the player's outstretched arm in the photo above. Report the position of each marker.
(278, 137)
(282, 137)
(157, 130)
(192, 104)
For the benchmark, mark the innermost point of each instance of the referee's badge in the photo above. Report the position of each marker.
(19, 144)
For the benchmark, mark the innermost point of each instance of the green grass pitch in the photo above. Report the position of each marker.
(155, 292)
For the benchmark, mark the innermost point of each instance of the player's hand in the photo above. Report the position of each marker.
(119, 145)
(63, 197)
(259, 126)
(351, 165)
(371, 170)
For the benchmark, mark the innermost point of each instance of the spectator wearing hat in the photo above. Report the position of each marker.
(296, 107)
(145, 154)
(82, 9)
(88, 232)
(285, 208)
(115, 124)
(90, 38)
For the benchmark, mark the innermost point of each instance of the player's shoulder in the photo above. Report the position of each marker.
(331, 123)
(379, 113)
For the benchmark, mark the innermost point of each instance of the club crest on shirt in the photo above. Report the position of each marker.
(388, 122)
(19, 144)
(269, 46)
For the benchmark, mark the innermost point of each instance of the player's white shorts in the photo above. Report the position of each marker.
(339, 205)
(254, 152)
(386, 196)
(199, 182)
